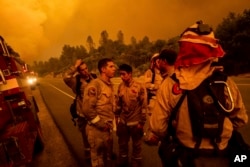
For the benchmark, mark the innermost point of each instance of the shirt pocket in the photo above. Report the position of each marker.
(133, 99)
(133, 94)
(105, 98)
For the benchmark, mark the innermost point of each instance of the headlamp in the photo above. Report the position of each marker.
(201, 29)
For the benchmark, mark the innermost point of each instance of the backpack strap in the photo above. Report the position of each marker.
(73, 105)
(153, 77)
(92, 76)
(78, 85)
(171, 130)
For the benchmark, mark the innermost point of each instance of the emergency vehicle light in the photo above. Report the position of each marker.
(21, 103)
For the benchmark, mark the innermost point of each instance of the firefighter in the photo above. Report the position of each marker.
(167, 59)
(99, 105)
(132, 105)
(77, 78)
(199, 50)
(153, 80)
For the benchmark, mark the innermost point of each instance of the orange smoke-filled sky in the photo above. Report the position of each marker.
(38, 29)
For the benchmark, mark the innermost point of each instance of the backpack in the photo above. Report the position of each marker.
(205, 111)
(73, 108)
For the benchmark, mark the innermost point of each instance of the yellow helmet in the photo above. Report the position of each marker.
(154, 57)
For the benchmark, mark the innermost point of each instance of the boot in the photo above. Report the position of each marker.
(123, 162)
(112, 156)
(136, 162)
(87, 154)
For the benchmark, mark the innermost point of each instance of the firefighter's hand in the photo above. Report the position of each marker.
(140, 129)
(151, 139)
(78, 62)
(102, 125)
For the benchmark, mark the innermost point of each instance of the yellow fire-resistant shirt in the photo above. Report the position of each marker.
(99, 101)
(166, 101)
(69, 77)
(132, 102)
(152, 87)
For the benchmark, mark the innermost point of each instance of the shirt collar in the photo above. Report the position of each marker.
(106, 82)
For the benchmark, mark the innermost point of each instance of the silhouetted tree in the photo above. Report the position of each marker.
(104, 37)
(234, 35)
(90, 44)
(120, 37)
(233, 32)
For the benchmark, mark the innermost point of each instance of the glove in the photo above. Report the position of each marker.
(140, 129)
(151, 139)
(102, 125)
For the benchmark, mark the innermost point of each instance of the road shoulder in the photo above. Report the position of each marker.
(56, 152)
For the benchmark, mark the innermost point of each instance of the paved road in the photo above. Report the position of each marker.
(56, 152)
(58, 97)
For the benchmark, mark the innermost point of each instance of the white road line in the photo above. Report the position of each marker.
(74, 97)
(62, 91)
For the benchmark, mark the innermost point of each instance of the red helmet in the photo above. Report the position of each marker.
(197, 45)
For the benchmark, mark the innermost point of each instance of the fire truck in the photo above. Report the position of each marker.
(20, 131)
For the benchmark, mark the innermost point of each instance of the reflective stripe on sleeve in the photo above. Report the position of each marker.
(96, 119)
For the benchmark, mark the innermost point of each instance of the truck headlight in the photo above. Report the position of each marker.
(31, 80)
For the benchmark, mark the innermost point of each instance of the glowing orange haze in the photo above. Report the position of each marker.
(37, 30)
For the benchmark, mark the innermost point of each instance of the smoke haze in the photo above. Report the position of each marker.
(38, 29)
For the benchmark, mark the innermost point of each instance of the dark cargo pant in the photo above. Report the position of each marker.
(82, 122)
(124, 133)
